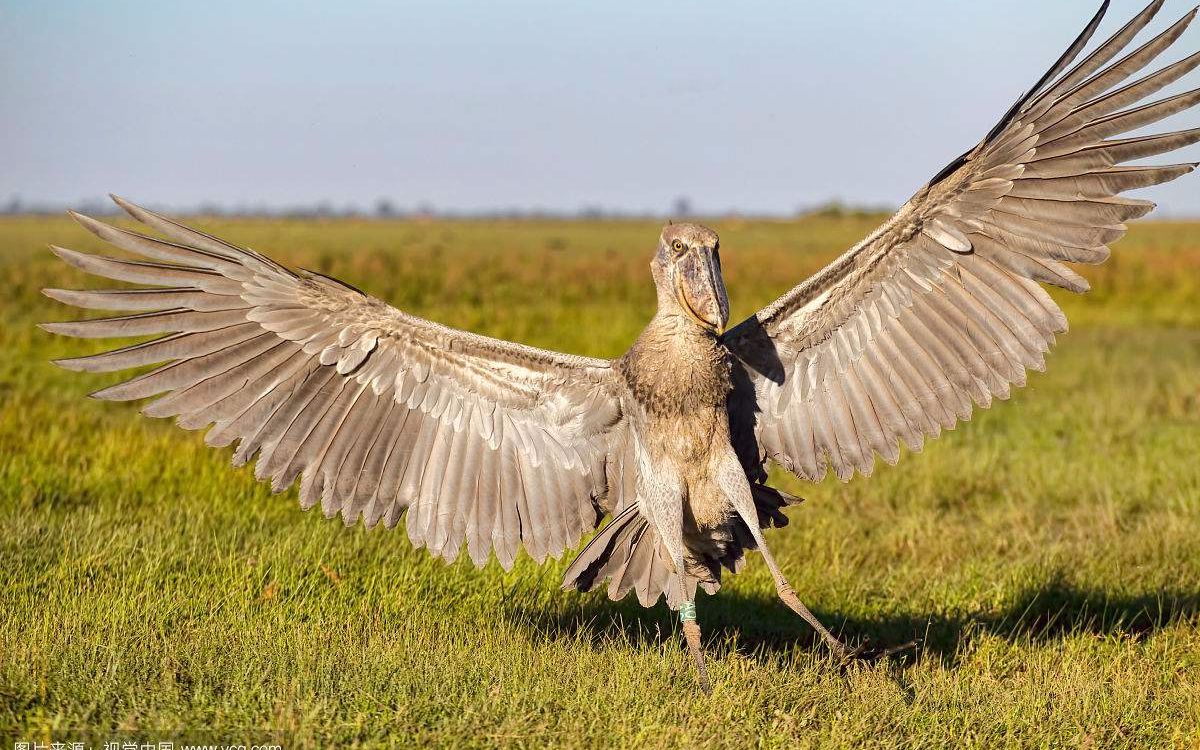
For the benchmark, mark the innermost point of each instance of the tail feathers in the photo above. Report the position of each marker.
(627, 553)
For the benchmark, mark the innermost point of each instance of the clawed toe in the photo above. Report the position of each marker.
(865, 653)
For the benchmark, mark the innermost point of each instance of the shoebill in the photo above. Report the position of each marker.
(491, 446)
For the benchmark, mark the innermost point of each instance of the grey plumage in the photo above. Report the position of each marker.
(487, 446)
(943, 294)
(308, 373)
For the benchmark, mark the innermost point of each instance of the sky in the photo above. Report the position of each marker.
(758, 107)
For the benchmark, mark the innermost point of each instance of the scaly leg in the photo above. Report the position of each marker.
(839, 649)
(663, 495)
(793, 602)
(691, 633)
(733, 480)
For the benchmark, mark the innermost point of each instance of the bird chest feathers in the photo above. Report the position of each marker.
(680, 378)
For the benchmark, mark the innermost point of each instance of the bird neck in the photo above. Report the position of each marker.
(671, 318)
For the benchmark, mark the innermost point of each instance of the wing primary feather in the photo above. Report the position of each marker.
(140, 272)
(1120, 122)
(187, 235)
(1108, 153)
(1137, 91)
(1067, 57)
(178, 320)
(159, 250)
(1071, 81)
(146, 299)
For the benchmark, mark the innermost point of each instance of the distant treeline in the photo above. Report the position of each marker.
(387, 209)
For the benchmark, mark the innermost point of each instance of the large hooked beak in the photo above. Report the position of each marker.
(701, 290)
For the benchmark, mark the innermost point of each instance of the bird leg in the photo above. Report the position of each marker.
(732, 478)
(691, 633)
(749, 514)
(793, 602)
(846, 655)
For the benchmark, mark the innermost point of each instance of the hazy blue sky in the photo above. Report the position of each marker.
(758, 106)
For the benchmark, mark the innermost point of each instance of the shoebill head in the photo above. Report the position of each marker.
(687, 272)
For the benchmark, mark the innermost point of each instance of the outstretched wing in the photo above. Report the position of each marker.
(941, 306)
(481, 441)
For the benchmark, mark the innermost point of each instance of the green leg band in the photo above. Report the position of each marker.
(687, 612)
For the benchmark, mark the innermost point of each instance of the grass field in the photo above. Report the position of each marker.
(1047, 553)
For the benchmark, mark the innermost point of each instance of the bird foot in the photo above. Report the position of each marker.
(865, 653)
(845, 655)
(793, 603)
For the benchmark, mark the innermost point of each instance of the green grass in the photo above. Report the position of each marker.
(1048, 552)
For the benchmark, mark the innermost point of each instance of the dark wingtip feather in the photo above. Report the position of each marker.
(1065, 59)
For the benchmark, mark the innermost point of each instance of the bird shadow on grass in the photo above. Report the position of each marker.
(759, 625)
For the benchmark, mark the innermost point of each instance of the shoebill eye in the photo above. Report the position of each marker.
(679, 246)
